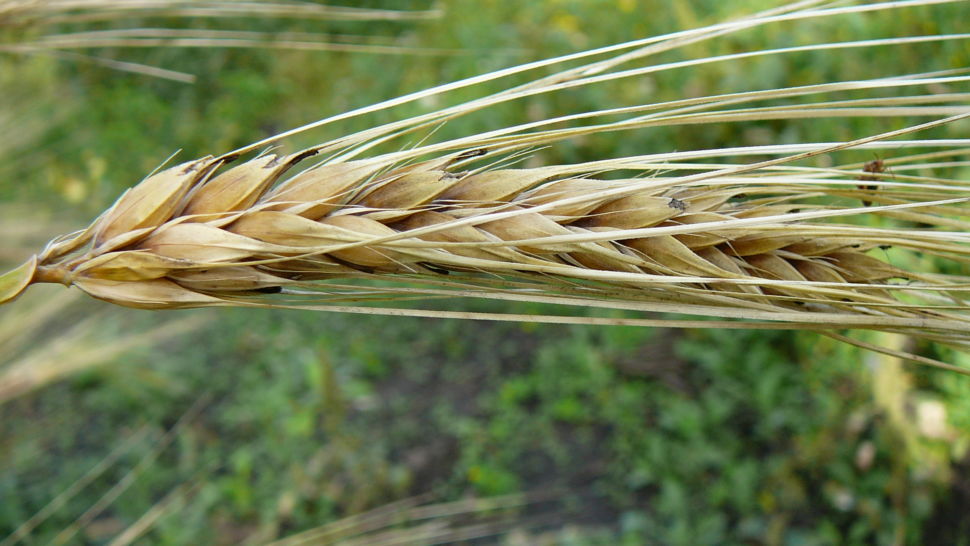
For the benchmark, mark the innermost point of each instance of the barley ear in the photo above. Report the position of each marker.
(14, 282)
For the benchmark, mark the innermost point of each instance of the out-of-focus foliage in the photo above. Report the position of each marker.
(263, 423)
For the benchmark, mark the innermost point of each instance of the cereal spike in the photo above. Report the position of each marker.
(771, 233)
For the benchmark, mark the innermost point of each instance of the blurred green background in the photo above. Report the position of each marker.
(235, 426)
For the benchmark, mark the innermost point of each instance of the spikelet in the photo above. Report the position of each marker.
(148, 205)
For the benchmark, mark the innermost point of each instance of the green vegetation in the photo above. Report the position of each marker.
(284, 421)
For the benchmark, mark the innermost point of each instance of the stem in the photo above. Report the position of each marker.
(53, 274)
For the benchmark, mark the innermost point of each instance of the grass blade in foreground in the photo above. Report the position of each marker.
(772, 243)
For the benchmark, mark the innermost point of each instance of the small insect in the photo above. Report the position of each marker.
(677, 204)
(874, 170)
